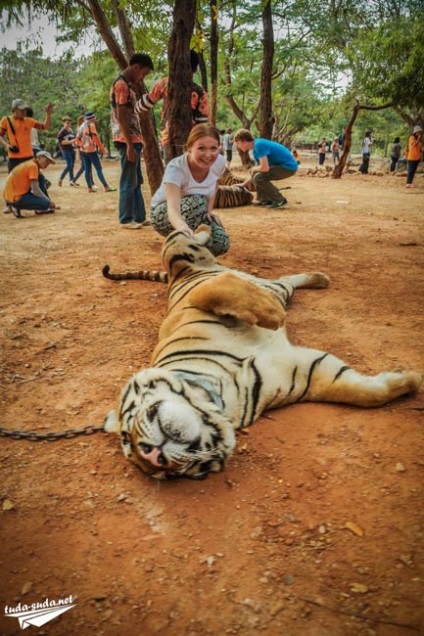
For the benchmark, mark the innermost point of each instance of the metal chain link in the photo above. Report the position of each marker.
(33, 436)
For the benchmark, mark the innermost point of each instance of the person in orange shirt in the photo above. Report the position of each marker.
(89, 142)
(18, 130)
(22, 190)
(128, 140)
(415, 148)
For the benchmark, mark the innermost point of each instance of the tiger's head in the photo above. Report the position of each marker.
(172, 425)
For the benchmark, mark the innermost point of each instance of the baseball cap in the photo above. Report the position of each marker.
(44, 153)
(89, 116)
(19, 103)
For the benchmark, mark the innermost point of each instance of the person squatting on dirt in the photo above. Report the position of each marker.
(186, 195)
(274, 163)
(128, 140)
(199, 104)
(22, 190)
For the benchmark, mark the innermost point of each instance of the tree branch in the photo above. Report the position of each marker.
(106, 33)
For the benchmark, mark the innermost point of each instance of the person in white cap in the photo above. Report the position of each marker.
(18, 128)
(415, 149)
(22, 190)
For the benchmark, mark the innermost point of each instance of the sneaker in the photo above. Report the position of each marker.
(261, 204)
(279, 204)
(131, 226)
(92, 189)
(146, 223)
(7, 209)
(110, 189)
(16, 212)
(410, 185)
(74, 184)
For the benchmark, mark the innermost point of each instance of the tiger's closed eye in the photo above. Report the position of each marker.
(152, 411)
(145, 448)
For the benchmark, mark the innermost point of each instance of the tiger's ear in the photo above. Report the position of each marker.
(203, 234)
(230, 295)
(111, 423)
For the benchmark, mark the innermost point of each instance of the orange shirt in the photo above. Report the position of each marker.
(415, 148)
(22, 135)
(87, 139)
(19, 180)
(122, 94)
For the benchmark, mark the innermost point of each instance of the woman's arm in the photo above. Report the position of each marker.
(173, 201)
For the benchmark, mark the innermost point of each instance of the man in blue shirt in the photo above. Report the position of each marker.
(274, 162)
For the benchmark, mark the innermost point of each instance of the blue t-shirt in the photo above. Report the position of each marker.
(277, 154)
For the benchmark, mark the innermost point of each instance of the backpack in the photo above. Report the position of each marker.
(84, 138)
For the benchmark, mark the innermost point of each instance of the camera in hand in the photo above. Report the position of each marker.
(14, 148)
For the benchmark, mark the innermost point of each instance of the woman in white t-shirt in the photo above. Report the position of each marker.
(186, 195)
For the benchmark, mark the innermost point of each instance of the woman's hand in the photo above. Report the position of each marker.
(184, 228)
(212, 216)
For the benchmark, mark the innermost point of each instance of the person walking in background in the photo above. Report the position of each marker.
(341, 138)
(66, 140)
(89, 143)
(199, 104)
(128, 140)
(335, 151)
(78, 155)
(296, 155)
(415, 149)
(186, 195)
(228, 147)
(22, 190)
(322, 150)
(18, 128)
(35, 141)
(274, 162)
(395, 153)
(366, 153)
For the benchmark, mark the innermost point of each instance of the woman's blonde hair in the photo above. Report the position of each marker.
(202, 130)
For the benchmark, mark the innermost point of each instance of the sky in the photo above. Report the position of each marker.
(40, 33)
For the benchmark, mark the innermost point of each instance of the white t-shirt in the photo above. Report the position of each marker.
(366, 144)
(178, 173)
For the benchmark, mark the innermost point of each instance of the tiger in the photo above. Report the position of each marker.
(222, 359)
(230, 194)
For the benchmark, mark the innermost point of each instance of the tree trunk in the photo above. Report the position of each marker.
(338, 170)
(151, 154)
(266, 122)
(214, 39)
(180, 75)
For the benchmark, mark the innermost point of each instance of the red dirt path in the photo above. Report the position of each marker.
(316, 528)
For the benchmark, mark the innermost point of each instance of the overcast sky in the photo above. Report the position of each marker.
(40, 33)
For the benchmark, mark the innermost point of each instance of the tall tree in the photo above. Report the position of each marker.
(214, 41)
(266, 120)
(180, 75)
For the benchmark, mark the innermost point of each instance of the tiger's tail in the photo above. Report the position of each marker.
(145, 274)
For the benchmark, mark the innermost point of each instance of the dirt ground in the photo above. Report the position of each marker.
(316, 528)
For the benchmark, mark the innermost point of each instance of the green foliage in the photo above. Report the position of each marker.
(327, 55)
